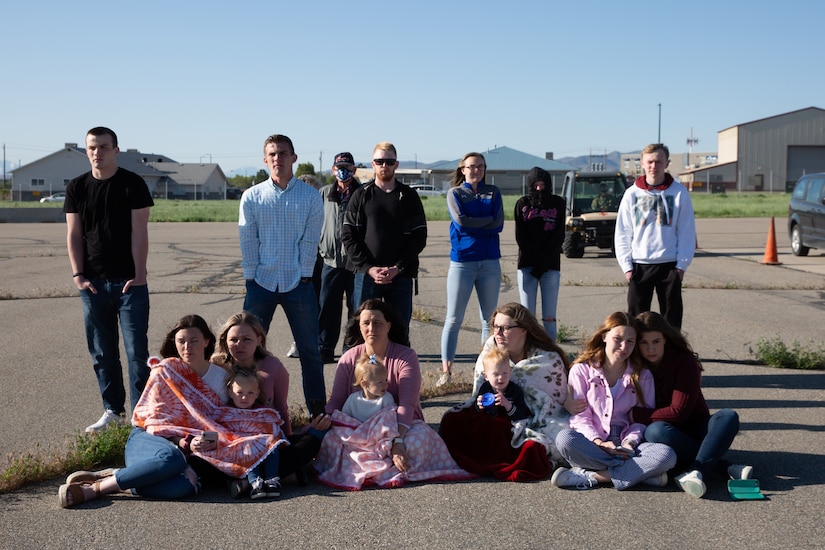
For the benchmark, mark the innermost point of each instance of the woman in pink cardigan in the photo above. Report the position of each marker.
(396, 445)
(604, 444)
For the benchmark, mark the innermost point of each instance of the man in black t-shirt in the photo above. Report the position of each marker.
(384, 231)
(107, 220)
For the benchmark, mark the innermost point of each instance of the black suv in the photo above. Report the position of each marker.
(806, 214)
(592, 208)
(233, 192)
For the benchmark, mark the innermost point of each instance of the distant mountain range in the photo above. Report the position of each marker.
(611, 161)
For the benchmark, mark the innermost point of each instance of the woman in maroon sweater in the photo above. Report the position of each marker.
(681, 419)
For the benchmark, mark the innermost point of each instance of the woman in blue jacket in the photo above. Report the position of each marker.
(476, 219)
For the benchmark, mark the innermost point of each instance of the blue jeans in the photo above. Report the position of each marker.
(462, 277)
(528, 287)
(154, 468)
(335, 283)
(101, 312)
(266, 469)
(301, 309)
(703, 454)
(398, 294)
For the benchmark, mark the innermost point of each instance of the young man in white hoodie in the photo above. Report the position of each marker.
(655, 237)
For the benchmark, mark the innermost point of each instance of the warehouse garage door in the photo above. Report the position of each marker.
(804, 160)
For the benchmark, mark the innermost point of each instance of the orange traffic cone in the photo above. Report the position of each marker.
(770, 248)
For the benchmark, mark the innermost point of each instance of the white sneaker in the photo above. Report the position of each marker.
(108, 417)
(656, 481)
(443, 379)
(575, 477)
(293, 351)
(691, 482)
(740, 471)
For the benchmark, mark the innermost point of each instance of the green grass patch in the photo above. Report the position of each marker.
(85, 452)
(706, 205)
(566, 333)
(421, 314)
(775, 353)
(740, 205)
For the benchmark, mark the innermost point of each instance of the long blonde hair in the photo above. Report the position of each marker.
(594, 354)
(222, 356)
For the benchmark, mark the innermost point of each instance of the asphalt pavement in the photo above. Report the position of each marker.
(732, 301)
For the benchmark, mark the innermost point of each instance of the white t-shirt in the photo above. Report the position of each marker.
(215, 378)
(361, 408)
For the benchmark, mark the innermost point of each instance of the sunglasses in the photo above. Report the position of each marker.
(384, 162)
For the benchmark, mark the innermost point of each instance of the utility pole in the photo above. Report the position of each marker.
(659, 139)
(691, 141)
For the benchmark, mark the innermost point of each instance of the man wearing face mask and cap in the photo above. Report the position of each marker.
(539, 218)
(336, 280)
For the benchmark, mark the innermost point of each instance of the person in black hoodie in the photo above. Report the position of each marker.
(539, 218)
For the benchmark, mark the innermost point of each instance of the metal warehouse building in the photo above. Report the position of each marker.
(767, 155)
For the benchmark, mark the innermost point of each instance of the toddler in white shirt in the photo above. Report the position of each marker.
(371, 376)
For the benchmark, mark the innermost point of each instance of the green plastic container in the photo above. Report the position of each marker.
(745, 489)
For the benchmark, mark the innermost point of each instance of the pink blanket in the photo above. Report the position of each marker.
(177, 403)
(354, 455)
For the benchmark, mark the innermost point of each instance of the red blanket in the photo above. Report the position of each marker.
(480, 444)
(177, 403)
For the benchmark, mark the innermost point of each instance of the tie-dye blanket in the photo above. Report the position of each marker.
(177, 403)
(355, 455)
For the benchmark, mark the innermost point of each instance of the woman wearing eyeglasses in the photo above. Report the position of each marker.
(476, 219)
(539, 367)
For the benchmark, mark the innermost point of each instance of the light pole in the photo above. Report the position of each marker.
(659, 139)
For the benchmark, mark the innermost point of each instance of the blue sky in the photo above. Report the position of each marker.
(210, 80)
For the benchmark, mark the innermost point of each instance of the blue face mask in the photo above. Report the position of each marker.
(343, 174)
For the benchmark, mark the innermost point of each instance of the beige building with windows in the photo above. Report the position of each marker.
(165, 177)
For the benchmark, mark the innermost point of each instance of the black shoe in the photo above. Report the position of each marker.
(238, 488)
(327, 357)
(258, 489)
(272, 487)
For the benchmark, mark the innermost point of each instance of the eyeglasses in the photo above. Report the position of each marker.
(504, 328)
(474, 167)
(384, 162)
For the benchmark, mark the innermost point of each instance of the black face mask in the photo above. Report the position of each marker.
(537, 197)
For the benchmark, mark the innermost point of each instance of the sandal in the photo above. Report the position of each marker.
(84, 476)
(77, 494)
